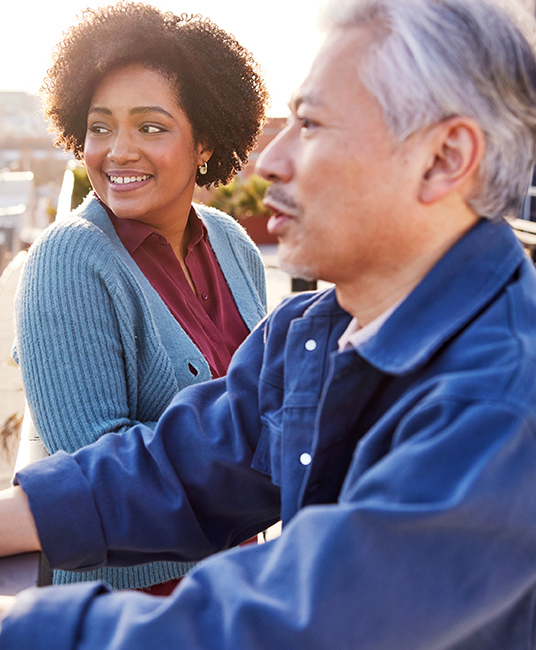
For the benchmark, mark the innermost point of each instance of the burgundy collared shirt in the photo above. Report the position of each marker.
(209, 317)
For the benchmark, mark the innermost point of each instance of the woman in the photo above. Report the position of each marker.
(138, 294)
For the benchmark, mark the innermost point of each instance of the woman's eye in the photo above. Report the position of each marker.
(97, 129)
(151, 128)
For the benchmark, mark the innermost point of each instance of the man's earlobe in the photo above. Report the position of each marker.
(458, 146)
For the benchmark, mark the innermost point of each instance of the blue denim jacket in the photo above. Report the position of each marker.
(404, 472)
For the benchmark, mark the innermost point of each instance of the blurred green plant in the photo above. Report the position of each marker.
(242, 197)
(81, 186)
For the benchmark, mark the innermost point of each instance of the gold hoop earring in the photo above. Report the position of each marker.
(203, 169)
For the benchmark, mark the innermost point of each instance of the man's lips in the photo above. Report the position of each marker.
(284, 210)
(283, 207)
(277, 222)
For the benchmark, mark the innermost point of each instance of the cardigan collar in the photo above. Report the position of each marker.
(133, 233)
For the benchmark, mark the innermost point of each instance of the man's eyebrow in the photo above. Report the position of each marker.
(297, 99)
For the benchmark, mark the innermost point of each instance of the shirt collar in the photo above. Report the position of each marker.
(198, 230)
(354, 334)
(132, 233)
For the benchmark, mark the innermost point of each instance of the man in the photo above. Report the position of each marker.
(389, 422)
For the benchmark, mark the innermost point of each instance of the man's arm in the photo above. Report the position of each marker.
(393, 564)
(18, 533)
(195, 472)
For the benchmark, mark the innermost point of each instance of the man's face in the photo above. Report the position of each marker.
(343, 190)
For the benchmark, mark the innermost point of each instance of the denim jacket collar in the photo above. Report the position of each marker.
(455, 291)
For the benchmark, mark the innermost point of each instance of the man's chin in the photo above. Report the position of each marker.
(299, 271)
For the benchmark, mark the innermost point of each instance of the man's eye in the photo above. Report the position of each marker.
(306, 123)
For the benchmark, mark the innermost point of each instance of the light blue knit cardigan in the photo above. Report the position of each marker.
(98, 349)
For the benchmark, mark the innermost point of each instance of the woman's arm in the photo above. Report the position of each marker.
(77, 341)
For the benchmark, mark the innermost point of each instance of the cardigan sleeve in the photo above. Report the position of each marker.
(72, 341)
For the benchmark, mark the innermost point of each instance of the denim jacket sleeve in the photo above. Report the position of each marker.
(455, 571)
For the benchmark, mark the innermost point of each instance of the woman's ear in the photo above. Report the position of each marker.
(204, 152)
(457, 146)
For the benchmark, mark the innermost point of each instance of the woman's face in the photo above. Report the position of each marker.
(139, 151)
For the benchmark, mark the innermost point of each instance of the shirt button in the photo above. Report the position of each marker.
(310, 345)
(204, 296)
(305, 459)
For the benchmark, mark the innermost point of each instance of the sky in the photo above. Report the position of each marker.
(281, 34)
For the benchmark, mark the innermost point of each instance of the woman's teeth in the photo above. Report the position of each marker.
(124, 180)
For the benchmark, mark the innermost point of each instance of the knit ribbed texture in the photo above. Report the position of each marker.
(98, 349)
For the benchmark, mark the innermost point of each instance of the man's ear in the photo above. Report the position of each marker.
(457, 146)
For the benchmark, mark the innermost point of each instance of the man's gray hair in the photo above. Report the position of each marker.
(435, 59)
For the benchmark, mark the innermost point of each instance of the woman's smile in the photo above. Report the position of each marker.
(128, 180)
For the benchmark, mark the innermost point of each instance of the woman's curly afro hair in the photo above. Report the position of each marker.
(216, 80)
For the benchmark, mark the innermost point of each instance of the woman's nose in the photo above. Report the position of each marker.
(123, 148)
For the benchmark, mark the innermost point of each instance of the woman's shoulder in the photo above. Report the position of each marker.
(73, 246)
(78, 229)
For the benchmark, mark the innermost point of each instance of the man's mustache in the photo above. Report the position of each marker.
(277, 195)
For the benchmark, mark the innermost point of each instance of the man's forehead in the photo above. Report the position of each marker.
(335, 68)
(303, 95)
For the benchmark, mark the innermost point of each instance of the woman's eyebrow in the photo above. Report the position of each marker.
(99, 109)
(137, 110)
(149, 109)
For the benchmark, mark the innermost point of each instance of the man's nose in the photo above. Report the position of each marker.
(275, 162)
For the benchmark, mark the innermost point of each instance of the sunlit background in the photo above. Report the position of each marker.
(281, 34)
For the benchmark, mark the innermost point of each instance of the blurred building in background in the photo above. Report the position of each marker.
(31, 173)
